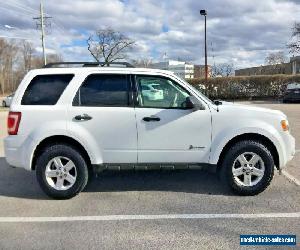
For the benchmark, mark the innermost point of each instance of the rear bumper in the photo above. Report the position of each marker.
(18, 151)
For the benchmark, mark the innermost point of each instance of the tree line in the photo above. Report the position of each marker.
(16, 59)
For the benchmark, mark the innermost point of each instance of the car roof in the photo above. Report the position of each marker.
(77, 70)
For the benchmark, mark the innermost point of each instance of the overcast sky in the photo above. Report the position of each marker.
(241, 32)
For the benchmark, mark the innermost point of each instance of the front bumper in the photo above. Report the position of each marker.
(289, 150)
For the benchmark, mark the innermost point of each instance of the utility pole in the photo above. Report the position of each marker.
(43, 31)
(204, 13)
(41, 23)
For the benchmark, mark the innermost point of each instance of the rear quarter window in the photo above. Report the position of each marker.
(46, 89)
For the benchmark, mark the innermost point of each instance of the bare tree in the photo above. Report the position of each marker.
(222, 69)
(15, 60)
(27, 54)
(274, 58)
(38, 61)
(8, 52)
(294, 45)
(142, 63)
(108, 45)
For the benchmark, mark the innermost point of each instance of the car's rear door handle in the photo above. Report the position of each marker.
(84, 117)
(151, 119)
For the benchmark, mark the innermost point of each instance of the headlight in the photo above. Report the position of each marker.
(284, 125)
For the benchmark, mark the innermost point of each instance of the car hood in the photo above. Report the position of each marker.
(253, 109)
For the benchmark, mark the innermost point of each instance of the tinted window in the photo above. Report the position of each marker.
(103, 90)
(45, 89)
(164, 93)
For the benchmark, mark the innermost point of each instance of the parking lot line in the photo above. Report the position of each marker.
(290, 177)
(149, 217)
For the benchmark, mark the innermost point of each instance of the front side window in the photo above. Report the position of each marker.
(46, 89)
(100, 90)
(160, 92)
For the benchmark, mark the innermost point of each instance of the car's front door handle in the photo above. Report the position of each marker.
(84, 117)
(151, 119)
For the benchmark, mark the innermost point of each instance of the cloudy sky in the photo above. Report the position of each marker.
(241, 32)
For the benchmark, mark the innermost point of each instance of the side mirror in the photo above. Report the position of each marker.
(217, 102)
(193, 103)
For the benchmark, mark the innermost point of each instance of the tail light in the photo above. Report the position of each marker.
(13, 122)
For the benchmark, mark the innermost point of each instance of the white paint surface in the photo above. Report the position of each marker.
(150, 217)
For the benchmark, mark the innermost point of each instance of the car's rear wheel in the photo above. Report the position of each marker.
(247, 168)
(61, 171)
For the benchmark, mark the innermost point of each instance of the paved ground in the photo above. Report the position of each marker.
(146, 193)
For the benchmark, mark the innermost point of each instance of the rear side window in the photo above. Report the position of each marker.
(45, 89)
(100, 90)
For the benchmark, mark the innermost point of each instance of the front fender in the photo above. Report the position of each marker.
(228, 133)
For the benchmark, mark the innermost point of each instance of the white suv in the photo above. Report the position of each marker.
(64, 122)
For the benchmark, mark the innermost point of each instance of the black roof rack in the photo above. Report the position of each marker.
(86, 64)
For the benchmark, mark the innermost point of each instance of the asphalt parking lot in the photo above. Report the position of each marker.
(121, 210)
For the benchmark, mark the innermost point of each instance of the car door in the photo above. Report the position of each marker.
(102, 111)
(168, 131)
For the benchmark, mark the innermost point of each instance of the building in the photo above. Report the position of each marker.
(182, 69)
(290, 68)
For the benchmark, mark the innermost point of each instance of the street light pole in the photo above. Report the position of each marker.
(206, 68)
(204, 13)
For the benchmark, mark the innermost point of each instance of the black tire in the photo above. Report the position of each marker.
(3, 104)
(226, 172)
(74, 155)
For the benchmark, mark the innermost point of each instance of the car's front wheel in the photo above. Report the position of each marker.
(247, 168)
(61, 171)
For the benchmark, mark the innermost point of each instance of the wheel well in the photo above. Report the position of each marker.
(256, 137)
(59, 139)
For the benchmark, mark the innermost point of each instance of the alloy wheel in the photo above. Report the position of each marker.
(61, 173)
(248, 169)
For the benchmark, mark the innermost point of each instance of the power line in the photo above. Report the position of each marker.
(21, 8)
(27, 10)
(30, 9)
(42, 21)
(26, 7)
(60, 27)
(19, 12)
